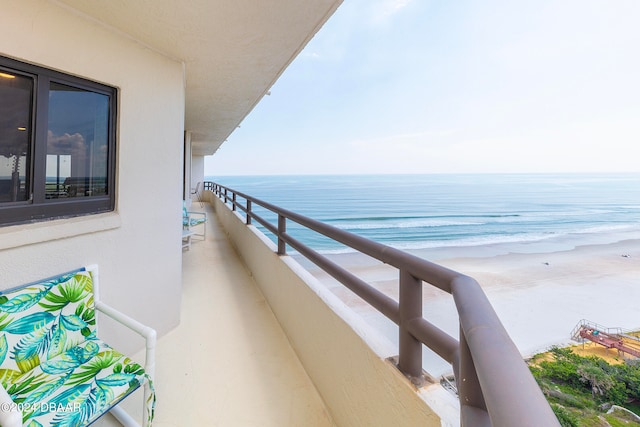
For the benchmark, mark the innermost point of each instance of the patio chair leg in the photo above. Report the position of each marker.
(123, 418)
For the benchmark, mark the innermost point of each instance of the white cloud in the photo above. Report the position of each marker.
(311, 55)
(66, 144)
(385, 9)
(395, 5)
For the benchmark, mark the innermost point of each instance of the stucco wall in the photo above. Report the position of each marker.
(343, 357)
(197, 171)
(138, 246)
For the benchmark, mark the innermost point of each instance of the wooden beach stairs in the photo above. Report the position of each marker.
(606, 337)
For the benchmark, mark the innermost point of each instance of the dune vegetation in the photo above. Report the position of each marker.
(582, 390)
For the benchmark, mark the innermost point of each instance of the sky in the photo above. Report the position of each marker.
(467, 86)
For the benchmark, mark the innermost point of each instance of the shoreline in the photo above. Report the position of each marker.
(539, 291)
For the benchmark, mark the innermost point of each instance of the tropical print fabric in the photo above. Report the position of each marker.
(51, 362)
(187, 221)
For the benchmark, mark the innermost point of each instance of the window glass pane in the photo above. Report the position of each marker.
(16, 93)
(58, 169)
(77, 148)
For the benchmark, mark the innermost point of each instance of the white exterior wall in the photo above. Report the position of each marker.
(137, 247)
(197, 170)
(187, 167)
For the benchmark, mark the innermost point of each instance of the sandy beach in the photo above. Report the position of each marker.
(539, 290)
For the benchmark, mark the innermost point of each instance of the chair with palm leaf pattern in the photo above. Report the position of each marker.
(192, 219)
(54, 370)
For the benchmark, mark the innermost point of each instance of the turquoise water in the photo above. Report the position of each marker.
(415, 212)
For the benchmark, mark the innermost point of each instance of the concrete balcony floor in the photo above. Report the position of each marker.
(228, 363)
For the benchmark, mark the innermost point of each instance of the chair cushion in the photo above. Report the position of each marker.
(42, 320)
(76, 387)
(51, 362)
(197, 221)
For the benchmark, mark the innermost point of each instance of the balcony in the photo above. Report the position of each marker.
(248, 353)
(228, 363)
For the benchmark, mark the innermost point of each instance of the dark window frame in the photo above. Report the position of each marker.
(38, 207)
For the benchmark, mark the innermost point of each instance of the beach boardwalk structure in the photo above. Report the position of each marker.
(606, 337)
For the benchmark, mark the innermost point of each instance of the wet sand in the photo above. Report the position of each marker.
(540, 292)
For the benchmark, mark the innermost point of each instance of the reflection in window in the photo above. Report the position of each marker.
(16, 93)
(58, 169)
(57, 144)
(76, 142)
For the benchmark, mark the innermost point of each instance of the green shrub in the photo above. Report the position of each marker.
(576, 386)
(566, 418)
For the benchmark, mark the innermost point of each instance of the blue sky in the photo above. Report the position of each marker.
(419, 86)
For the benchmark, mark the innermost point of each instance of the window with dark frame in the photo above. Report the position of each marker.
(57, 144)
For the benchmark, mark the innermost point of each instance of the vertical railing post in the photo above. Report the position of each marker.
(468, 385)
(233, 208)
(410, 304)
(226, 197)
(282, 228)
(248, 212)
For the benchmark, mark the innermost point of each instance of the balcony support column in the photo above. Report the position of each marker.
(469, 390)
(410, 303)
(282, 228)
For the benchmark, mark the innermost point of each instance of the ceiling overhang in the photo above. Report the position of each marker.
(233, 51)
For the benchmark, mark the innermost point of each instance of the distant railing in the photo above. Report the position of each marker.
(495, 386)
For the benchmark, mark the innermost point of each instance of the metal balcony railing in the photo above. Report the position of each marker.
(495, 386)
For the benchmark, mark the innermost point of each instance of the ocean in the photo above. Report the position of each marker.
(523, 212)
(480, 225)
